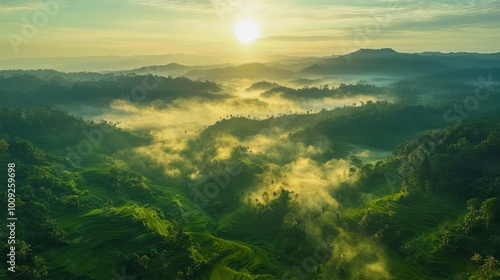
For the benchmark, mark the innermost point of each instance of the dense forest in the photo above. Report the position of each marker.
(142, 176)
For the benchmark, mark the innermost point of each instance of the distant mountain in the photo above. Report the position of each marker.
(369, 61)
(294, 63)
(465, 60)
(249, 71)
(106, 63)
(486, 56)
(56, 76)
(169, 67)
(389, 61)
(172, 69)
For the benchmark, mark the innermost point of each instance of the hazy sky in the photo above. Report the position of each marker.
(300, 27)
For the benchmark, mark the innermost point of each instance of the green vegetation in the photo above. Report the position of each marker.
(317, 93)
(34, 89)
(374, 190)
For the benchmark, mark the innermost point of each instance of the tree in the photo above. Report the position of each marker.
(4, 146)
(56, 234)
(446, 237)
(488, 210)
(489, 266)
(355, 161)
(477, 258)
(473, 204)
(40, 268)
(493, 140)
(495, 241)
(115, 177)
(265, 198)
(144, 261)
(24, 250)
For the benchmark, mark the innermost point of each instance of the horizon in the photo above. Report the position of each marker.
(70, 29)
(71, 63)
(284, 55)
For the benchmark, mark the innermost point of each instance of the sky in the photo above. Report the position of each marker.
(78, 28)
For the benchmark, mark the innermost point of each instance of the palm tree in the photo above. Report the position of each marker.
(25, 250)
(488, 210)
(466, 226)
(391, 213)
(446, 235)
(407, 249)
(446, 227)
(495, 241)
(489, 264)
(476, 258)
(40, 268)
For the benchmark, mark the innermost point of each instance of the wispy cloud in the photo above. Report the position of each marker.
(11, 7)
(175, 5)
(141, 22)
(297, 38)
(7, 7)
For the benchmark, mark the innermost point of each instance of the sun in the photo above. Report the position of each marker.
(246, 31)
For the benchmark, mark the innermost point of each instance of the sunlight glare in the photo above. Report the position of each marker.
(246, 31)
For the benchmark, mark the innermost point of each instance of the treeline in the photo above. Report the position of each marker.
(56, 130)
(459, 161)
(29, 90)
(377, 124)
(305, 93)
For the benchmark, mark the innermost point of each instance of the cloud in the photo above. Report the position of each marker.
(19, 6)
(141, 22)
(297, 38)
(7, 7)
(174, 5)
(393, 15)
(437, 16)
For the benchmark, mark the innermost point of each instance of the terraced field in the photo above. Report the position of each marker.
(235, 259)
